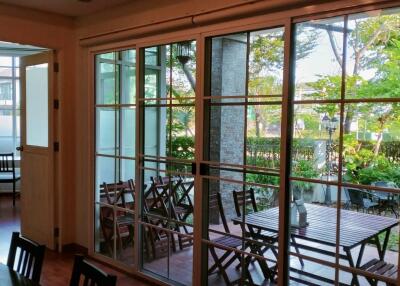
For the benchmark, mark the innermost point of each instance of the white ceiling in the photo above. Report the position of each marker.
(73, 8)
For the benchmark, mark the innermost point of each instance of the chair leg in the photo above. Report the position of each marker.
(297, 250)
(13, 193)
(219, 265)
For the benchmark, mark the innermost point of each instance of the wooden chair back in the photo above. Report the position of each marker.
(114, 193)
(30, 257)
(92, 275)
(243, 199)
(215, 202)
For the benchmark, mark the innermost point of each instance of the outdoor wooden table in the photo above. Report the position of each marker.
(356, 229)
(9, 277)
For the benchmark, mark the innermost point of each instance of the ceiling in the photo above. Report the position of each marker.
(72, 8)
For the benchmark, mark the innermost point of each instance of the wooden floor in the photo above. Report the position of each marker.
(57, 267)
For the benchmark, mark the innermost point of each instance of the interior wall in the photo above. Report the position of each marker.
(26, 26)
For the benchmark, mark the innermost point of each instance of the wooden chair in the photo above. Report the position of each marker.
(160, 201)
(30, 257)
(8, 173)
(215, 202)
(246, 200)
(157, 242)
(381, 268)
(115, 195)
(92, 275)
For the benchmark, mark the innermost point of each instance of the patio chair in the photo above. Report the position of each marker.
(159, 202)
(387, 200)
(362, 199)
(116, 195)
(246, 200)
(157, 242)
(381, 268)
(215, 202)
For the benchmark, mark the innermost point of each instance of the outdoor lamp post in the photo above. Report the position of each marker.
(330, 125)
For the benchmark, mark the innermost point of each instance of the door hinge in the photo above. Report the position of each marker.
(56, 232)
(56, 146)
(56, 104)
(56, 67)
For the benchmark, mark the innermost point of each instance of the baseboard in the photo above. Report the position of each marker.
(75, 248)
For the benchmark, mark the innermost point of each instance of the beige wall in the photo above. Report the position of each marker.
(31, 27)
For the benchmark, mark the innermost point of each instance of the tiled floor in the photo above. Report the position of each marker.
(57, 267)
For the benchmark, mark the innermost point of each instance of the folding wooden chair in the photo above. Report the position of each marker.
(220, 263)
(246, 200)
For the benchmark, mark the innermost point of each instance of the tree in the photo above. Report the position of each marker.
(368, 40)
(265, 71)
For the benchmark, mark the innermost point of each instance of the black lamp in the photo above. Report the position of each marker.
(184, 50)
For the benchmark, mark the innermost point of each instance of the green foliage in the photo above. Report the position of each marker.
(304, 169)
(182, 147)
(364, 167)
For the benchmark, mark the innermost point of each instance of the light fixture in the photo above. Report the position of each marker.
(184, 50)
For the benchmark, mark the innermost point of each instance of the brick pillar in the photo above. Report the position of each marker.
(227, 122)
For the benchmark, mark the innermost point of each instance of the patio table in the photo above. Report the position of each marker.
(356, 229)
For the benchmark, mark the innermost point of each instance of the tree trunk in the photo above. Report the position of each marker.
(189, 76)
(258, 119)
(378, 144)
(347, 121)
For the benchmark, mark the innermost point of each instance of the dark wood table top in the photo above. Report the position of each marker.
(355, 227)
(9, 277)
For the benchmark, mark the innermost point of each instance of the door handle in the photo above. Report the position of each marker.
(20, 148)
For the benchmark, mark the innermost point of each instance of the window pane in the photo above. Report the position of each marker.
(6, 61)
(107, 78)
(371, 144)
(128, 88)
(373, 54)
(228, 66)
(6, 92)
(6, 131)
(151, 56)
(266, 63)
(128, 128)
(318, 72)
(106, 137)
(37, 105)
(7, 72)
(315, 143)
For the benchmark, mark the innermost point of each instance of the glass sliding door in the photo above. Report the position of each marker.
(167, 111)
(115, 109)
(241, 164)
(345, 127)
(327, 128)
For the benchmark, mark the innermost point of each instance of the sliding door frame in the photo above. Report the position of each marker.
(285, 19)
